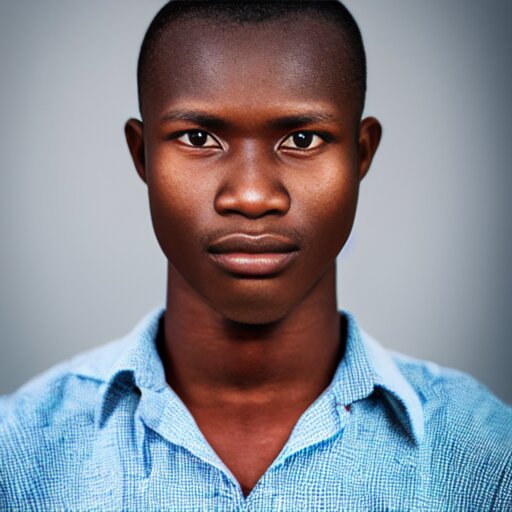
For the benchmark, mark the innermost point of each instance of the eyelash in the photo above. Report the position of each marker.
(325, 138)
(178, 136)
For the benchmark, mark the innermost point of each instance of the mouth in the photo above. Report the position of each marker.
(253, 256)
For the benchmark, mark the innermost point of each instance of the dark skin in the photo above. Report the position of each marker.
(220, 153)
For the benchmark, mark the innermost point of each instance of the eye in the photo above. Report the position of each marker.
(198, 139)
(303, 141)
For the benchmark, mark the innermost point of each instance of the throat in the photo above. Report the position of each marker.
(250, 363)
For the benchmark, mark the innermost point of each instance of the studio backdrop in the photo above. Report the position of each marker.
(427, 268)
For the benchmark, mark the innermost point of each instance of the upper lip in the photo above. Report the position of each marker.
(255, 244)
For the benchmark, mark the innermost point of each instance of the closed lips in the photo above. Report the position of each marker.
(254, 256)
(251, 244)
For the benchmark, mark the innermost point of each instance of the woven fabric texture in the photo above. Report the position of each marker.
(104, 432)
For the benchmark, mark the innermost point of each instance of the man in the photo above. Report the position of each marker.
(250, 390)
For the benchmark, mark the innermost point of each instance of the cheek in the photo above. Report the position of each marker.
(177, 204)
(330, 210)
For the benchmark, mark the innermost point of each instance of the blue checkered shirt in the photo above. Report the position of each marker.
(105, 432)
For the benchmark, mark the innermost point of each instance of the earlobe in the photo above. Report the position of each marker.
(134, 133)
(370, 133)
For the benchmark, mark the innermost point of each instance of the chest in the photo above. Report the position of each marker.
(248, 451)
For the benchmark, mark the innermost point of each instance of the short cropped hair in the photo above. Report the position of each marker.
(240, 12)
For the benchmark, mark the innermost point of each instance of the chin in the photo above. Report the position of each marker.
(253, 312)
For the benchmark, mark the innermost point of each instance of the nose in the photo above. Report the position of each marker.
(253, 188)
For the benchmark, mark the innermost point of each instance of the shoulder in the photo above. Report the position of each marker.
(457, 397)
(468, 431)
(52, 413)
(63, 390)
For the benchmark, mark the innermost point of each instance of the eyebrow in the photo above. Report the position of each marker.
(210, 121)
(196, 117)
(297, 120)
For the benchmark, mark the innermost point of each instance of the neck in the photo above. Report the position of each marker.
(212, 360)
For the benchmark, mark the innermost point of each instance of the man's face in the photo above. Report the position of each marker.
(247, 131)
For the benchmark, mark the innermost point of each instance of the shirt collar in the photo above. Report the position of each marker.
(365, 366)
(129, 363)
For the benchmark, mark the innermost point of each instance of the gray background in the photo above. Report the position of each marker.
(427, 268)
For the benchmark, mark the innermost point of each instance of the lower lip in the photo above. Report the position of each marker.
(254, 264)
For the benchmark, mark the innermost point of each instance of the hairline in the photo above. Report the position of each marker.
(219, 20)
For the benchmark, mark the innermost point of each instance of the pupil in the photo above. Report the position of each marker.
(303, 140)
(197, 138)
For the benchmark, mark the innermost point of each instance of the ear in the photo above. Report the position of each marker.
(370, 133)
(134, 132)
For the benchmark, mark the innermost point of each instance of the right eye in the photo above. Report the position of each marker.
(198, 139)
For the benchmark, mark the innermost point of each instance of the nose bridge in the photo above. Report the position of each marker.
(254, 170)
(252, 186)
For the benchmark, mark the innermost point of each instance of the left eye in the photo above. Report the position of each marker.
(198, 139)
(302, 140)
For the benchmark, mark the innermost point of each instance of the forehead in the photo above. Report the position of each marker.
(289, 60)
